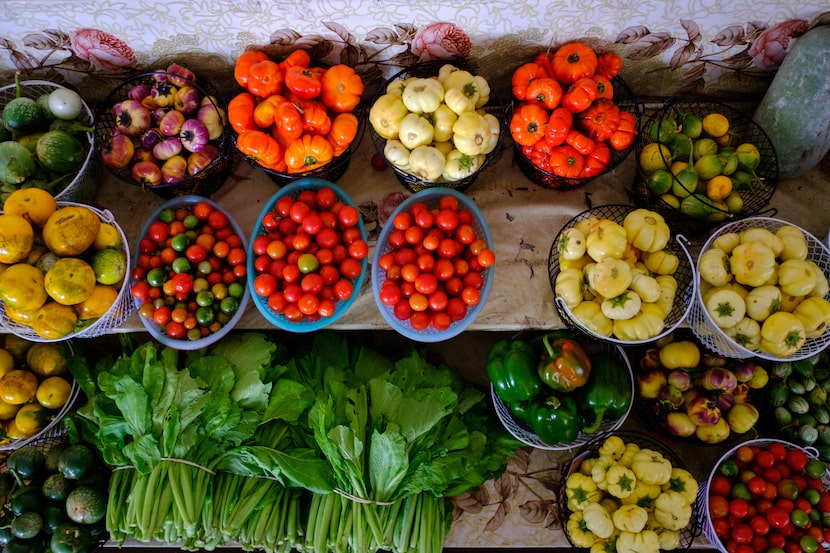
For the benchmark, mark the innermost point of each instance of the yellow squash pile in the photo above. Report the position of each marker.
(617, 279)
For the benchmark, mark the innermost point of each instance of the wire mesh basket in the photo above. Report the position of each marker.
(204, 182)
(591, 450)
(683, 275)
(714, 337)
(412, 182)
(83, 186)
(754, 197)
(114, 317)
(706, 524)
(53, 429)
(624, 99)
(525, 434)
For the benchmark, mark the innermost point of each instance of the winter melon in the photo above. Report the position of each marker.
(795, 111)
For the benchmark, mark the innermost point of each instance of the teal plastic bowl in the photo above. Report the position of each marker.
(431, 197)
(340, 306)
(155, 330)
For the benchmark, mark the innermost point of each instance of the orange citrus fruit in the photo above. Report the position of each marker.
(35, 205)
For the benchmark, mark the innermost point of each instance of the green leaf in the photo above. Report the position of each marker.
(388, 463)
(132, 401)
(143, 453)
(298, 468)
(289, 399)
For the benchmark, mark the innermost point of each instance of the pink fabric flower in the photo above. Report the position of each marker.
(772, 45)
(441, 40)
(102, 50)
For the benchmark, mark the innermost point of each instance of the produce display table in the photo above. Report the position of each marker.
(518, 511)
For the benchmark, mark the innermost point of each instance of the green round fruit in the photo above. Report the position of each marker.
(70, 538)
(110, 265)
(56, 486)
(26, 525)
(86, 505)
(75, 461)
(659, 182)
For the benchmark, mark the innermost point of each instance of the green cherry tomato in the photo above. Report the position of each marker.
(204, 316)
(729, 468)
(204, 298)
(741, 491)
(307, 263)
(204, 267)
(194, 334)
(180, 242)
(167, 215)
(808, 543)
(799, 518)
(229, 305)
(155, 277)
(190, 221)
(812, 496)
(815, 468)
(236, 290)
(180, 265)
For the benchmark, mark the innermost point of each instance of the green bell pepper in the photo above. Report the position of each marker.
(555, 419)
(607, 393)
(564, 365)
(511, 366)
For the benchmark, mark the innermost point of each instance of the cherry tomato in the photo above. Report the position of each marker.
(765, 459)
(348, 216)
(217, 219)
(778, 517)
(325, 197)
(796, 459)
(741, 533)
(760, 525)
(757, 485)
(738, 508)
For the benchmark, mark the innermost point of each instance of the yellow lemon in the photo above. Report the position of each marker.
(31, 419)
(53, 392)
(6, 361)
(55, 321)
(21, 287)
(16, 238)
(7, 410)
(46, 359)
(98, 303)
(108, 237)
(715, 124)
(35, 205)
(654, 156)
(18, 386)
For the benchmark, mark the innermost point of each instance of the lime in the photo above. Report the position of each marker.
(662, 129)
(734, 203)
(728, 160)
(703, 146)
(680, 146)
(708, 166)
(110, 265)
(748, 156)
(685, 182)
(715, 124)
(691, 125)
(659, 181)
(654, 156)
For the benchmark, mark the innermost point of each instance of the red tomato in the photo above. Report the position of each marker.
(326, 197)
(765, 459)
(779, 452)
(738, 508)
(348, 216)
(447, 220)
(757, 485)
(158, 231)
(440, 321)
(265, 285)
(449, 202)
(217, 220)
(741, 533)
(760, 525)
(778, 517)
(722, 528)
(389, 294)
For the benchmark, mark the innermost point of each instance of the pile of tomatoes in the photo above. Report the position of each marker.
(308, 254)
(293, 116)
(190, 272)
(433, 262)
(770, 498)
(566, 121)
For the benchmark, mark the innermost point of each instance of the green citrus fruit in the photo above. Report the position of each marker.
(110, 265)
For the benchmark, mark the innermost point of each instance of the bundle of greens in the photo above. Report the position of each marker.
(334, 448)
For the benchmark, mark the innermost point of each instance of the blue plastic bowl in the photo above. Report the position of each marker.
(431, 197)
(341, 306)
(156, 330)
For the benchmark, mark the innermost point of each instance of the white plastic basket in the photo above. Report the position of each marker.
(82, 187)
(706, 519)
(684, 275)
(716, 339)
(115, 316)
(525, 434)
